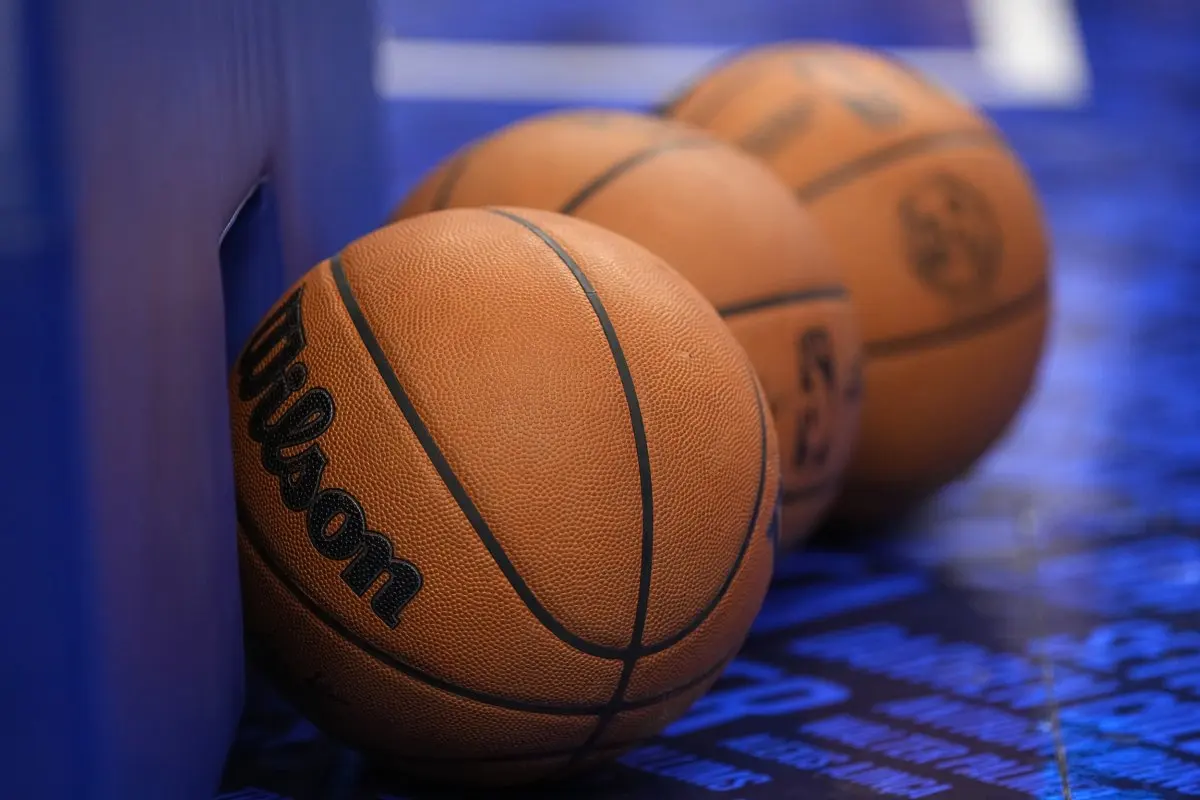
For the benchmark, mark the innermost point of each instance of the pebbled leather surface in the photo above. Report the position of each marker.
(633, 509)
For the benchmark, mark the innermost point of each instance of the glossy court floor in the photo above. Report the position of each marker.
(1036, 631)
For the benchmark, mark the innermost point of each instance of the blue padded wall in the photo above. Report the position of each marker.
(131, 133)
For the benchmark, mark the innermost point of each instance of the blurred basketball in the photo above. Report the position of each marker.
(507, 494)
(937, 229)
(731, 228)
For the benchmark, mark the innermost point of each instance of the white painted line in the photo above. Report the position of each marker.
(1033, 50)
(535, 72)
(1030, 53)
(437, 69)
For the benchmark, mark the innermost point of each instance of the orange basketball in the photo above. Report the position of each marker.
(937, 229)
(507, 494)
(727, 225)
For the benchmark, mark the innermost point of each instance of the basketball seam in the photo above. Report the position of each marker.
(735, 568)
(780, 127)
(606, 717)
(799, 297)
(997, 317)
(626, 164)
(441, 195)
(438, 459)
(631, 653)
(718, 104)
(867, 163)
(636, 420)
(256, 540)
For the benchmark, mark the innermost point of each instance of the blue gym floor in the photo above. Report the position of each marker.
(1036, 633)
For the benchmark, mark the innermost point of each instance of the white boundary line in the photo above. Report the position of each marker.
(535, 72)
(444, 69)
(1033, 50)
(1029, 54)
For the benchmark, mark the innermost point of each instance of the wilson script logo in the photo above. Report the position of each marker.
(271, 374)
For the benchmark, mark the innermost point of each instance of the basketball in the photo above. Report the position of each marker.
(729, 227)
(937, 229)
(507, 494)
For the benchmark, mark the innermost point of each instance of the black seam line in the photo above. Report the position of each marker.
(255, 538)
(864, 165)
(723, 96)
(257, 541)
(451, 481)
(605, 718)
(625, 165)
(611, 711)
(736, 567)
(780, 128)
(709, 110)
(691, 683)
(635, 417)
(441, 196)
(631, 653)
(638, 650)
(997, 317)
(818, 293)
